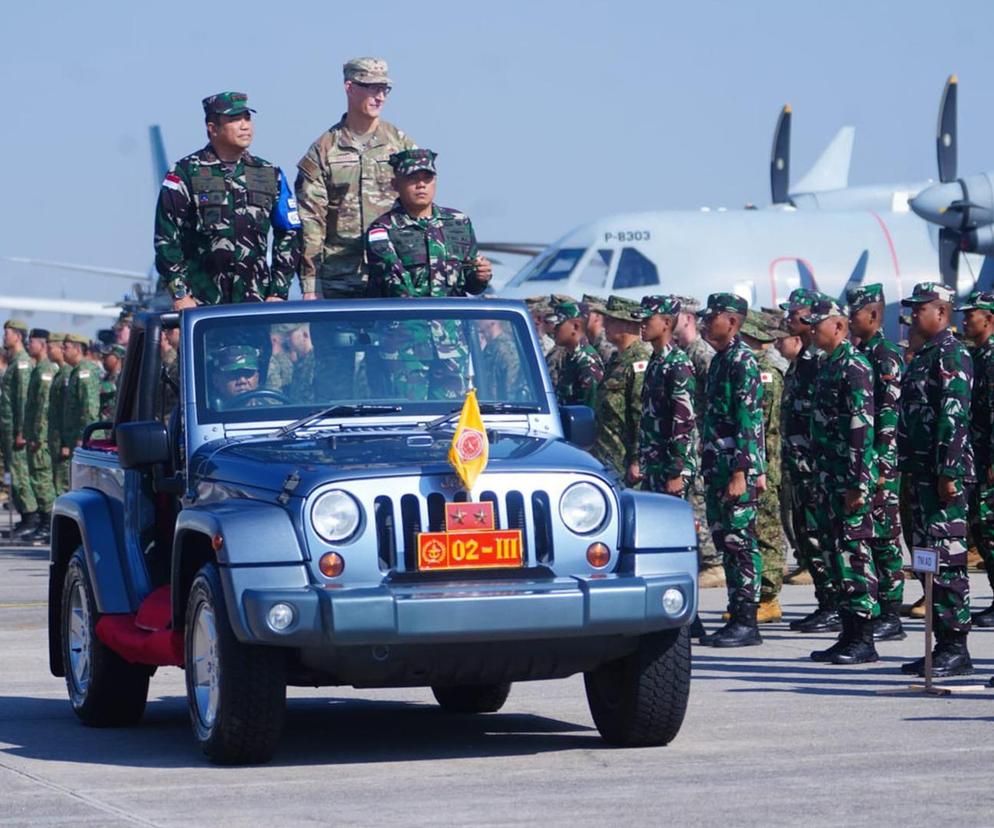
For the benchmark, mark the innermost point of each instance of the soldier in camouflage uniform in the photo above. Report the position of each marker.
(842, 451)
(113, 362)
(668, 438)
(56, 408)
(539, 308)
(596, 332)
(733, 461)
(937, 456)
(344, 182)
(215, 211)
(279, 372)
(978, 326)
(582, 368)
(36, 411)
(755, 333)
(500, 378)
(82, 395)
(619, 394)
(13, 397)
(689, 340)
(866, 316)
(799, 476)
(301, 386)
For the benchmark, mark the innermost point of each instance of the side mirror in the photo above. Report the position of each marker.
(579, 426)
(142, 444)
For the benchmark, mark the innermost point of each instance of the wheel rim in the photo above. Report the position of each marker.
(78, 639)
(206, 665)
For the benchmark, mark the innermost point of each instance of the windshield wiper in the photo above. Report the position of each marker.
(485, 408)
(352, 410)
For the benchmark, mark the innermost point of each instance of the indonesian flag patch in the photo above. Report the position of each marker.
(172, 181)
(378, 234)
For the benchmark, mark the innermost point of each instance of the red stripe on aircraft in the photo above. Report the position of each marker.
(893, 252)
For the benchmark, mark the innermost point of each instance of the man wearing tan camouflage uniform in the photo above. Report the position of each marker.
(344, 183)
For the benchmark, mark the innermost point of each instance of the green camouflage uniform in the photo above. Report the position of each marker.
(668, 436)
(500, 376)
(554, 359)
(36, 433)
(108, 396)
(769, 532)
(13, 398)
(212, 227)
(732, 440)
(280, 371)
(619, 408)
(700, 355)
(82, 403)
(933, 440)
(842, 449)
(300, 389)
(605, 349)
(581, 369)
(56, 414)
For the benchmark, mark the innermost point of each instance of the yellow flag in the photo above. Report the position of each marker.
(470, 447)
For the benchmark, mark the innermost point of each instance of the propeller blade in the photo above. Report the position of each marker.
(856, 277)
(780, 159)
(946, 139)
(807, 277)
(949, 247)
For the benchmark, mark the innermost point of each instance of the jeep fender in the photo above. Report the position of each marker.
(652, 522)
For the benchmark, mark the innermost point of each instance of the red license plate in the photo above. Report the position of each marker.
(488, 549)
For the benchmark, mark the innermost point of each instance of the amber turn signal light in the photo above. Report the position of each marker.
(598, 555)
(331, 564)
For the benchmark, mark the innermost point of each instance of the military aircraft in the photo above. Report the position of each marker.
(820, 233)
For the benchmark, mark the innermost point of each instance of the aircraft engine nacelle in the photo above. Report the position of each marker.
(980, 240)
(962, 205)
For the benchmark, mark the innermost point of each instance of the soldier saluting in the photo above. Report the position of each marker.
(936, 454)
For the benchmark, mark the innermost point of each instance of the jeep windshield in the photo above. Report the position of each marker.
(419, 360)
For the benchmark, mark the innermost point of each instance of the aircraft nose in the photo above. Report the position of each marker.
(932, 204)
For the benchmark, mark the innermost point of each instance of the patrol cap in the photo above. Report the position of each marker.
(409, 161)
(724, 303)
(38, 333)
(824, 307)
(665, 305)
(594, 303)
(116, 350)
(366, 70)
(978, 300)
(929, 292)
(755, 327)
(17, 325)
(226, 103)
(688, 304)
(78, 339)
(237, 358)
(618, 307)
(57, 337)
(799, 299)
(862, 295)
(563, 311)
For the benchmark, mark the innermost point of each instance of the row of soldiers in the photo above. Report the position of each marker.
(862, 440)
(53, 386)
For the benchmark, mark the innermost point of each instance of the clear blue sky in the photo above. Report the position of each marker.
(544, 114)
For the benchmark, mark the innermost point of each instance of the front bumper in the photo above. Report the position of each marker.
(464, 611)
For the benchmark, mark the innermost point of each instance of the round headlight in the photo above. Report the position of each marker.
(583, 508)
(335, 516)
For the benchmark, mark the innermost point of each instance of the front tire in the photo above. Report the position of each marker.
(104, 689)
(640, 700)
(472, 698)
(236, 692)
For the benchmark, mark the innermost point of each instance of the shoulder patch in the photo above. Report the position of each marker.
(765, 376)
(22, 366)
(377, 234)
(83, 375)
(640, 366)
(308, 168)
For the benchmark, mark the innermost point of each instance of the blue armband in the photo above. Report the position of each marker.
(285, 215)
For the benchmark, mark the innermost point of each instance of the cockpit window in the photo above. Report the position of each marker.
(594, 273)
(634, 270)
(558, 266)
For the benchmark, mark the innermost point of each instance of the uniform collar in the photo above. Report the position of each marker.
(938, 339)
(404, 218)
(346, 138)
(209, 156)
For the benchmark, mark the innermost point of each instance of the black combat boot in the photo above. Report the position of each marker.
(43, 534)
(740, 631)
(845, 636)
(888, 626)
(859, 649)
(697, 629)
(27, 526)
(949, 657)
(823, 619)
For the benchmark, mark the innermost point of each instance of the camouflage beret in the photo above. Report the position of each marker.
(563, 311)
(824, 307)
(38, 333)
(862, 295)
(799, 299)
(409, 161)
(366, 70)
(594, 303)
(978, 300)
(237, 358)
(665, 305)
(929, 292)
(724, 302)
(755, 327)
(17, 325)
(618, 307)
(226, 103)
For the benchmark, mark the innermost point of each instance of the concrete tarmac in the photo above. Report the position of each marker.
(770, 738)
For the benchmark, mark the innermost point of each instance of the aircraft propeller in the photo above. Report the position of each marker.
(780, 159)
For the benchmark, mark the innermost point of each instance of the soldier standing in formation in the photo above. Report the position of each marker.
(13, 398)
(842, 450)
(866, 317)
(215, 211)
(581, 368)
(36, 425)
(937, 457)
(113, 360)
(56, 411)
(500, 377)
(619, 394)
(81, 403)
(596, 332)
(734, 464)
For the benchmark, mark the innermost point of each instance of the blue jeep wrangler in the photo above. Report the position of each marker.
(281, 510)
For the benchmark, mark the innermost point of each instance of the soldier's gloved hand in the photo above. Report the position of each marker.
(947, 489)
(737, 485)
(484, 270)
(854, 500)
(185, 302)
(674, 486)
(761, 484)
(634, 473)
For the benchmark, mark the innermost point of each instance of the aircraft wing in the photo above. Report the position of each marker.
(34, 304)
(103, 271)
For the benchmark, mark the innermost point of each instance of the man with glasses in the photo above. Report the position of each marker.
(344, 182)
